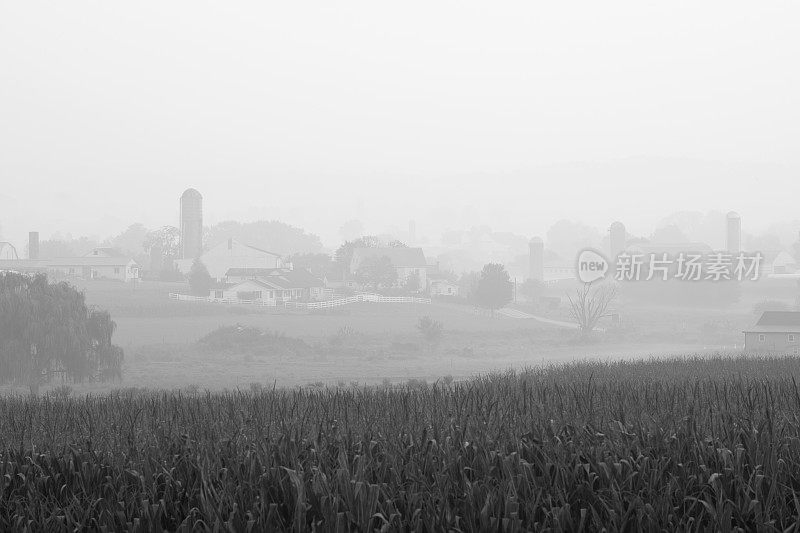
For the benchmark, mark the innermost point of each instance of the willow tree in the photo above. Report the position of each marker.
(48, 326)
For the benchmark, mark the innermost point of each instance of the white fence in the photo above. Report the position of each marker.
(187, 298)
(325, 304)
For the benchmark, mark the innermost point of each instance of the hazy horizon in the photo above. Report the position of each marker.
(450, 114)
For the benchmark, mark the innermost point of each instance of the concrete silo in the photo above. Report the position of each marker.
(33, 245)
(191, 224)
(536, 254)
(617, 238)
(733, 241)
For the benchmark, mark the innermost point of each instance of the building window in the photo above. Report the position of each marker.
(116, 270)
(792, 338)
(762, 337)
(218, 294)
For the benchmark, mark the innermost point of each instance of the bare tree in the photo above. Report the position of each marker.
(589, 305)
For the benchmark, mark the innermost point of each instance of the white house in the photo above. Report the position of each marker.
(118, 268)
(271, 285)
(231, 254)
(442, 287)
(287, 284)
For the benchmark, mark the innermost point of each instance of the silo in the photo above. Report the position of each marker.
(536, 248)
(733, 242)
(616, 240)
(33, 245)
(191, 224)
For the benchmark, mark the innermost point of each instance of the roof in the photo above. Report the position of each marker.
(110, 252)
(90, 261)
(777, 322)
(261, 250)
(6, 248)
(191, 193)
(23, 265)
(282, 279)
(252, 272)
(399, 256)
(784, 259)
(223, 245)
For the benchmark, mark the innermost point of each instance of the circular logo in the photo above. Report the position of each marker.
(591, 266)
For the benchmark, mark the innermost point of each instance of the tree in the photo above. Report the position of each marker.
(200, 280)
(468, 285)
(344, 254)
(532, 289)
(319, 264)
(377, 272)
(589, 305)
(494, 289)
(166, 237)
(131, 241)
(65, 246)
(413, 282)
(163, 247)
(271, 235)
(46, 326)
(430, 329)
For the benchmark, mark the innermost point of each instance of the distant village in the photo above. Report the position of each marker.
(241, 268)
(242, 271)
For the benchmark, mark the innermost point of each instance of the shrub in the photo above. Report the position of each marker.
(253, 341)
(430, 329)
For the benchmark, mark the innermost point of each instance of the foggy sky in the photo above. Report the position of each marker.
(449, 113)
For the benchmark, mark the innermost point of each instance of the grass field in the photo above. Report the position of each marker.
(382, 343)
(663, 445)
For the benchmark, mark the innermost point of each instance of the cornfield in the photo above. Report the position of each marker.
(697, 444)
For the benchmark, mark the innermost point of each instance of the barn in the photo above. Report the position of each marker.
(231, 254)
(775, 332)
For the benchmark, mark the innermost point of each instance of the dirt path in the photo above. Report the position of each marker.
(516, 313)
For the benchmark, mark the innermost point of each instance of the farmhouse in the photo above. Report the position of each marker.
(775, 332)
(115, 268)
(231, 254)
(442, 287)
(96, 267)
(270, 285)
(407, 261)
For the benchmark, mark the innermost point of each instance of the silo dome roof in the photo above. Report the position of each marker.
(191, 193)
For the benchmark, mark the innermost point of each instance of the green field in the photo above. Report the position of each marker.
(697, 444)
(381, 344)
